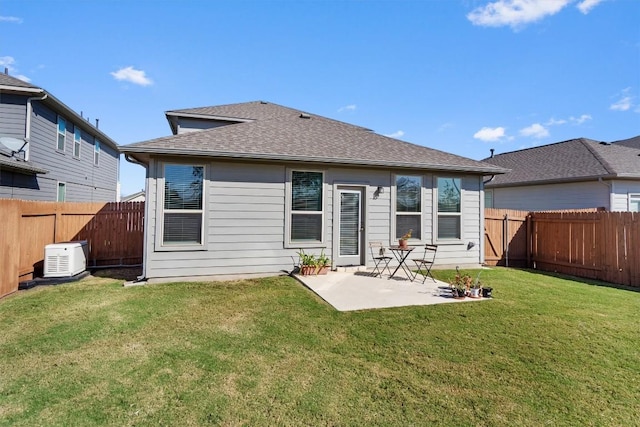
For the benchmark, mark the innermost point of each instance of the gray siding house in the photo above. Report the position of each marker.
(241, 188)
(575, 174)
(49, 152)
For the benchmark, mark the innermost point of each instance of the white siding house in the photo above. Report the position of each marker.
(574, 174)
(247, 196)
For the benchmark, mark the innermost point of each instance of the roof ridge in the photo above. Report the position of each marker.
(534, 148)
(601, 160)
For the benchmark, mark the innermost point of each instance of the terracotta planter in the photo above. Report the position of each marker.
(308, 270)
(323, 270)
(402, 243)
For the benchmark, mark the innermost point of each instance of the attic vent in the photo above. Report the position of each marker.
(304, 116)
(605, 143)
(263, 102)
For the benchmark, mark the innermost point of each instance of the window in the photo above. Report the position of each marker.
(488, 198)
(409, 206)
(62, 133)
(182, 205)
(62, 192)
(77, 138)
(96, 152)
(306, 206)
(449, 209)
(634, 202)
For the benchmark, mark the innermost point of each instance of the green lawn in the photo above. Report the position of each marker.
(544, 351)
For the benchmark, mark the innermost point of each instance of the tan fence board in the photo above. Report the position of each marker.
(114, 232)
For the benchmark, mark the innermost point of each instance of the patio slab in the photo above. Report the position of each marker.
(359, 290)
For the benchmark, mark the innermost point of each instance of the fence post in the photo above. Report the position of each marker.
(506, 239)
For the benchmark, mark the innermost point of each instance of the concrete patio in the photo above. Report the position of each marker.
(360, 290)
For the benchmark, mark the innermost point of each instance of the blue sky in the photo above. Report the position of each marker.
(461, 76)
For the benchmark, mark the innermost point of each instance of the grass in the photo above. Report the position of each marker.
(545, 351)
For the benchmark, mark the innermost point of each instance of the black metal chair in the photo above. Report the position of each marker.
(379, 258)
(426, 262)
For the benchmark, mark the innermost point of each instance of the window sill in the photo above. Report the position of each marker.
(180, 248)
(305, 245)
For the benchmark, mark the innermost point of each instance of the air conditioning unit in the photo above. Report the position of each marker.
(65, 259)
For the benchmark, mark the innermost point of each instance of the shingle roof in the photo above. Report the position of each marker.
(19, 165)
(7, 80)
(631, 142)
(573, 160)
(282, 133)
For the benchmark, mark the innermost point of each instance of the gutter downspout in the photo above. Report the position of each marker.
(611, 192)
(27, 127)
(145, 232)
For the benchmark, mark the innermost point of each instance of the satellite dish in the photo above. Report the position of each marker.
(16, 145)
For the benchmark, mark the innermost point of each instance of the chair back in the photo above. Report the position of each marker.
(430, 252)
(377, 249)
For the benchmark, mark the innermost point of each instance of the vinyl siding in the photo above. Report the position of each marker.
(246, 215)
(576, 195)
(621, 191)
(12, 115)
(85, 181)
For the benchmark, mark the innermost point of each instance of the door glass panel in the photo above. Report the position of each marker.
(349, 224)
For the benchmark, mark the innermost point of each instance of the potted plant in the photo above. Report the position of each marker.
(323, 263)
(402, 242)
(461, 284)
(476, 288)
(308, 263)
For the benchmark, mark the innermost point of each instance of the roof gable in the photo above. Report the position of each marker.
(573, 160)
(282, 133)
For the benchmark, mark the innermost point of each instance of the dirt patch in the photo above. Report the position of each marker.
(122, 273)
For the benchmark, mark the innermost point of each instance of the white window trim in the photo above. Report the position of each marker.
(289, 212)
(77, 141)
(630, 197)
(96, 152)
(160, 246)
(63, 134)
(64, 185)
(436, 213)
(394, 204)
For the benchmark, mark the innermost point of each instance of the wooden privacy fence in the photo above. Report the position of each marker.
(506, 237)
(114, 232)
(596, 245)
(592, 244)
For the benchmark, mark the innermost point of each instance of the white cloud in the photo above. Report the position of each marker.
(445, 126)
(11, 19)
(488, 134)
(515, 13)
(553, 122)
(536, 130)
(130, 74)
(622, 105)
(351, 107)
(396, 134)
(7, 62)
(585, 6)
(580, 120)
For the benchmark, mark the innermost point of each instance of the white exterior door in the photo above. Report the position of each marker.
(350, 227)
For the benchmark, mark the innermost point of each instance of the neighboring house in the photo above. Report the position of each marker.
(575, 174)
(135, 197)
(49, 152)
(242, 188)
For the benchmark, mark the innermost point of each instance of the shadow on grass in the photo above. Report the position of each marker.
(586, 281)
